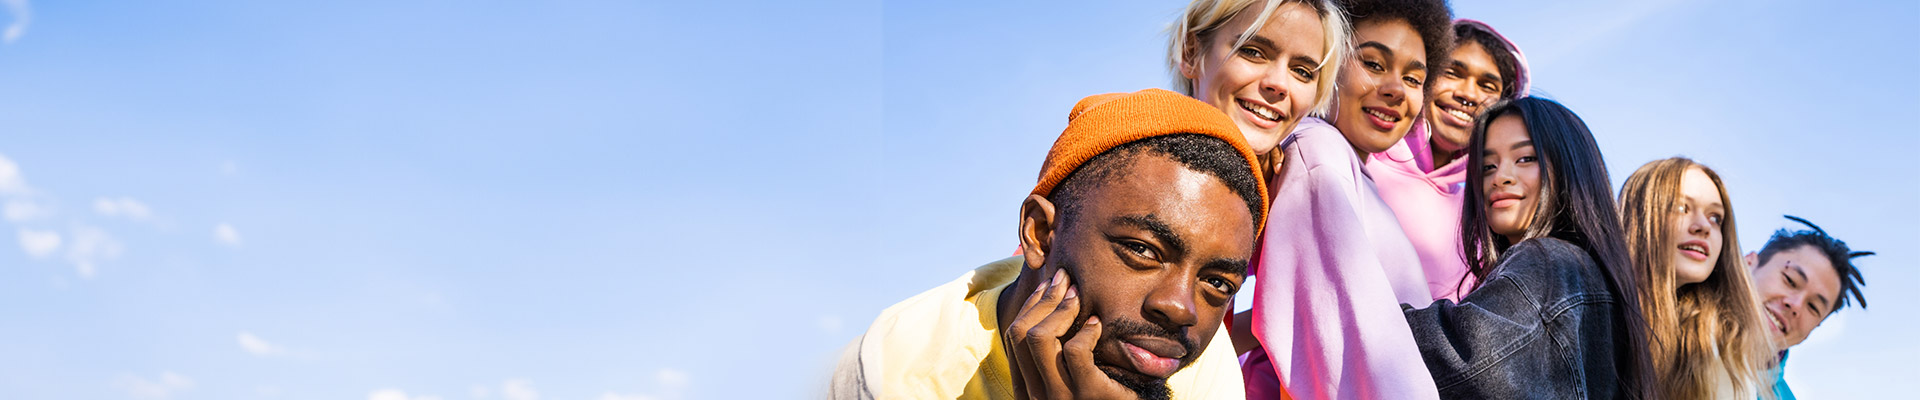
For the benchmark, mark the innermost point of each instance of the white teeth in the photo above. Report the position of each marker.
(1461, 114)
(1382, 116)
(1262, 111)
(1693, 247)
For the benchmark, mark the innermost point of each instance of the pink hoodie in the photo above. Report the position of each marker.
(1427, 200)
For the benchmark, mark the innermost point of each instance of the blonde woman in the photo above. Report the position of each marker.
(1264, 63)
(1705, 325)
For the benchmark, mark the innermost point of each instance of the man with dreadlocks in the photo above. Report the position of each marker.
(1800, 278)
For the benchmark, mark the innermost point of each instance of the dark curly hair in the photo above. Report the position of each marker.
(1432, 19)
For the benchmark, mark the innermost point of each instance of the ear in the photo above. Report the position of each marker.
(1036, 230)
(1752, 259)
(1190, 58)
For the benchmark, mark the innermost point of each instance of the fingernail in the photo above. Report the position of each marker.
(1093, 320)
(1059, 275)
(1071, 293)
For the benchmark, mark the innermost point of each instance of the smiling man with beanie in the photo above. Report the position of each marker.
(1135, 240)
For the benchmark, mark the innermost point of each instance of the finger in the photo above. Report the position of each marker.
(1045, 343)
(1045, 299)
(1078, 359)
(1032, 381)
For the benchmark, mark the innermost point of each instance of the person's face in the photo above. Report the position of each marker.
(1266, 84)
(1696, 241)
(1510, 177)
(1158, 257)
(1467, 85)
(1380, 87)
(1796, 287)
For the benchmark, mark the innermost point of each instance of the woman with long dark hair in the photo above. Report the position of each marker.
(1555, 311)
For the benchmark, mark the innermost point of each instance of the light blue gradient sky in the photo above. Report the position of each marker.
(615, 200)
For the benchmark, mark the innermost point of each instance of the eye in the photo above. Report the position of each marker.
(1789, 278)
(1139, 249)
(1525, 160)
(1372, 66)
(1222, 284)
(1487, 169)
(1414, 82)
(1305, 74)
(1715, 218)
(1683, 208)
(1253, 53)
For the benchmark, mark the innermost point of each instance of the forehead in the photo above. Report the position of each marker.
(1505, 131)
(1293, 26)
(1193, 204)
(1395, 33)
(1820, 273)
(1475, 57)
(1697, 186)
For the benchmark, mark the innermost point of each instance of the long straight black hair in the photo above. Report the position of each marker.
(1575, 204)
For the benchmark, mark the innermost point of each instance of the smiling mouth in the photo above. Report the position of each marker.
(1777, 325)
(1382, 117)
(1458, 113)
(1264, 112)
(1695, 251)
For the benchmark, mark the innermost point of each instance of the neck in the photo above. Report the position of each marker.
(1443, 152)
(1364, 155)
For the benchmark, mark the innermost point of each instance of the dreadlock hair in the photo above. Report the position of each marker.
(1836, 251)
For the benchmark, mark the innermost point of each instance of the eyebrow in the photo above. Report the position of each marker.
(1152, 223)
(1229, 265)
(1523, 143)
(1263, 41)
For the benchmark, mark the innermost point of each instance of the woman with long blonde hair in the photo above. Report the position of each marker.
(1706, 337)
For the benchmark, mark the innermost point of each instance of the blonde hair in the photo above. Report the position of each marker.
(1204, 18)
(1705, 335)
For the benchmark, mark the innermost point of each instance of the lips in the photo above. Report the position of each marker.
(1454, 115)
(1773, 317)
(1503, 199)
(1154, 356)
(1261, 114)
(1381, 117)
(1695, 250)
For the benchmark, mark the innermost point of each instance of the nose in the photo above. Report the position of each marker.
(1465, 101)
(1171, 304)
(1503, 176)
(1273, 86)
(1393, 92)
(1698, 224)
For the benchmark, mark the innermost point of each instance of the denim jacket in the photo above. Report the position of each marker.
(1543, 326)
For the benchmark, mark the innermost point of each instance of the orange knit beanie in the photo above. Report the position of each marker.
(1104, 121)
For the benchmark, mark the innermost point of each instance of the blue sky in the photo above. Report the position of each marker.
(679, 200)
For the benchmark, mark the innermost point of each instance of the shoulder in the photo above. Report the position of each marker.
(1317, 148)
(1554, 268)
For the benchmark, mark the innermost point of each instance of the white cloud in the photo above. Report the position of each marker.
(257, 346)
(617, 396)
(672, 378)
(39, 244)
(90, 247)
(122, 207)
(518, 389)
(22, 15)
(225, 234)
(10, 180)
(161, 388)
(19, 210)
(396, 394)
